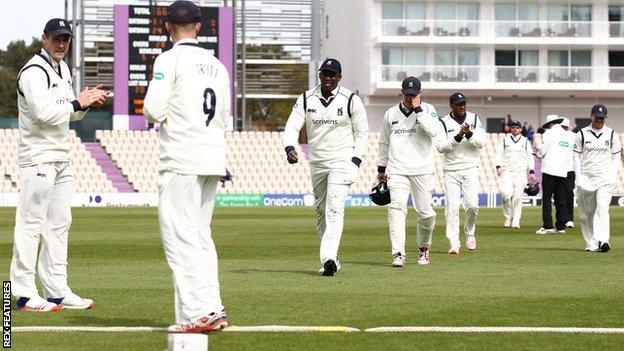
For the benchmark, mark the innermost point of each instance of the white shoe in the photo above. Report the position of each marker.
(210, 323)
(543, 231)
(36, 304)
(471, 243)
(74, 302)
(507, 223)
(591, 248)
(562, 231)
(515, 226)
(423, 257)
(569, 224)
(399, 260)
(454, 250)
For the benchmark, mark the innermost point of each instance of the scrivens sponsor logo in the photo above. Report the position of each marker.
(321, 121)
(404, 131)
(62, 101)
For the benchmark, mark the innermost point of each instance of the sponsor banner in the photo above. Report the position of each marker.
(239, 200)
(288, 200)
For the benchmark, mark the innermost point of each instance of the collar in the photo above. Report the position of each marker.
(457, 121)
(515, 140)
(333, 94)
(186, 41)
(50, 60)
(406, 112)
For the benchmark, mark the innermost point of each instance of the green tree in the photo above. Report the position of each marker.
(11, 61)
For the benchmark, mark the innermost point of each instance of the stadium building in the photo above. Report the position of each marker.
(526, 59)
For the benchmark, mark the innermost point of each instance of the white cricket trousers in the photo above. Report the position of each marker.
(43, 211)
(421, 188)
(463, 183)
(593, 207)
(512, 192)
(185, 206)
(331, 188)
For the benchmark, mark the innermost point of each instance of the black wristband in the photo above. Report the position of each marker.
(288, 149)
(468, 135)
(531, 171)
(418, 109)
(381, 169)
(356, 161)
(76, 105)
(458, 140)
(497, 167)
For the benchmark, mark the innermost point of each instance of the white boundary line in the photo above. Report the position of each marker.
(495, 330)
(330, 329)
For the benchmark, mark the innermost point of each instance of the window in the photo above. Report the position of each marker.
(459, 19)
(516, 65)
(616, 30)
(399, 62)
(616, 66)
(514, 20)
(404, 18)
(569, 20)
(569, 66)
(456, 65)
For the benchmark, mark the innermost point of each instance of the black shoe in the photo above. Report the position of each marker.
(329, 268)
(604, 247)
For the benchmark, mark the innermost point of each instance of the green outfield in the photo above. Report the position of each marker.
(269, 265)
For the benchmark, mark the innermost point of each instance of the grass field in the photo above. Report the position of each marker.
(268, 271)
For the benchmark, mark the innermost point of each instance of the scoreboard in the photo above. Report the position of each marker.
(140, 36)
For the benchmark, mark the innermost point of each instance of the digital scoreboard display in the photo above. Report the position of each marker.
(140, 36)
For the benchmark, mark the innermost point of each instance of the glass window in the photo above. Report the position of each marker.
(528, 12)
(415, 10)
(616, 58)
(528, 57)
(415, 56)
(580, 58)
(615, 13)
(468, 57)
(580, 12)
(505, 58)
(444, 57)
(445, 11)
(392, 56)
(505, 12)
(557, 58)
(558, 12)
(392, 10)
(468, 11)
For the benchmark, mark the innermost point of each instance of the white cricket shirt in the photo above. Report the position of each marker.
(515, 154)
(555, 152)
(464, 154)
(596, 149)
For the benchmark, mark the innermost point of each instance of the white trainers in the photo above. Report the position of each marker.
(210, 323)
(507, 223)
(423, 257)
(562, 231)
(543, 231)
(73, 302)
(36, 304)
(569, 224)
(591, 248)
(454, 250)
(515, 226)
(471, 243)
(399, 260)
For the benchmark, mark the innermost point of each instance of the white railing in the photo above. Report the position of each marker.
(616, 29)
(504, 74)
(462, 28)
(471, 28)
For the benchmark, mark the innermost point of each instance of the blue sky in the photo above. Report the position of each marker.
(25, 19)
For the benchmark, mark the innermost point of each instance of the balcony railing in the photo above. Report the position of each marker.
(471, 28)
(503, 74)
(462, 28)
(616, 29)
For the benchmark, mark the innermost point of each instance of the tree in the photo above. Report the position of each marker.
(11, 61)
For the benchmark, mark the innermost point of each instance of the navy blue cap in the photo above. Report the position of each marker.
(599, 111)
(57, 27)
(410, 86)
(183, 12)
(516, 123)
(332, 65)
(457, 98)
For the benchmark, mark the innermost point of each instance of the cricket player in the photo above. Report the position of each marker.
(514, 157)
(406, 161)
(597, 161)
(337, 129)
(46, 103)
(556, 155)
(461, 142)
(189, 95)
